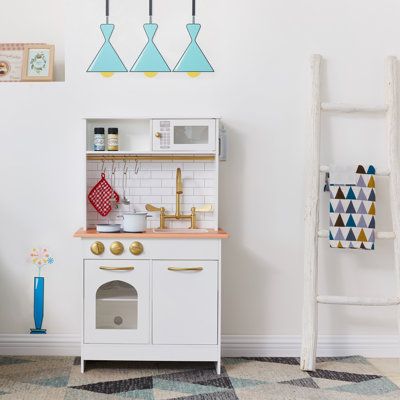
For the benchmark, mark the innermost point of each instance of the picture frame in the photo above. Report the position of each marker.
(38, 63)
(11, 58)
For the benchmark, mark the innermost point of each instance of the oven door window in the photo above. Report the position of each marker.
(191, 134)
(116, 306)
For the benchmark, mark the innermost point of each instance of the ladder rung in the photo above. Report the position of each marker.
(380, 172)
(359, 301)
(323, 233)
(350, 108)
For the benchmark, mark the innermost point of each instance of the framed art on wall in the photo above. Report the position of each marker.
(11, 56)
(38, 63)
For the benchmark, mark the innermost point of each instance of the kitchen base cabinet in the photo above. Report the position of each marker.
(117, 301)
(185, 302)
(159, 305)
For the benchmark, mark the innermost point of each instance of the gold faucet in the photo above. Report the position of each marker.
(178, 215)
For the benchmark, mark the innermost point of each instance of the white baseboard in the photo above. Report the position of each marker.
(328, 345)
(232, 345)
(40, 345)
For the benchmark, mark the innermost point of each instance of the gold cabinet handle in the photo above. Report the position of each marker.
(157, 135)
(185, 269)
(116, 268)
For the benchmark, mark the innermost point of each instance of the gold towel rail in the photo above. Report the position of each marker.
(139, 157)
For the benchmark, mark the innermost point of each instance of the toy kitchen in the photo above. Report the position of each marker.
(151, 246)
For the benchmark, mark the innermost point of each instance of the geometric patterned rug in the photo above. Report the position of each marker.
(262, 378)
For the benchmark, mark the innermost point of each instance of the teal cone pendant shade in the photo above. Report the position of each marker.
(150, 60)
(193, 60)
(107, 60)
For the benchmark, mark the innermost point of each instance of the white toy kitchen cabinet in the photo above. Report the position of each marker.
(154, 295)
(161, 305)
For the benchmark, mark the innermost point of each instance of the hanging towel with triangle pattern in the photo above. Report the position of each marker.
(352, 212)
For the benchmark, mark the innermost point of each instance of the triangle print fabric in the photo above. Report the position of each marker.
(352, 212)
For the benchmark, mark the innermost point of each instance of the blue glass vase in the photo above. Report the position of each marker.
(38, 304)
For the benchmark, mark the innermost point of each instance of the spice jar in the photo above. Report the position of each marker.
(99, 143)
(112, 139)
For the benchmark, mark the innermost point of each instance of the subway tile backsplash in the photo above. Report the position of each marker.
(155, 183)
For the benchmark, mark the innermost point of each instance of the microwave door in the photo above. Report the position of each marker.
(191, 135)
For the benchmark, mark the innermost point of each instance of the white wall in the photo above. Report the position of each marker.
(260, 51)
(39, 21)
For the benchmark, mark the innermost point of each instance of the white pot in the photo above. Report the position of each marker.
(134, 221)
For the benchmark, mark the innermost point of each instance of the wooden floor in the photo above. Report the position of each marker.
(389, 367)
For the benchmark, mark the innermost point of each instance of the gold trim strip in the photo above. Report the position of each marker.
(185, 269)
(105, 157)
(117, 268)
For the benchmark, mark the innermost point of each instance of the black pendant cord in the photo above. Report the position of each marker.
(194, 11)
(151, 11)
(107, 10)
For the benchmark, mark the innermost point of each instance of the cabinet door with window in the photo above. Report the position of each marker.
(185, 302)
(117, 301)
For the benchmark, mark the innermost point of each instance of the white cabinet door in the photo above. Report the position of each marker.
(117, 301)
(185, 302)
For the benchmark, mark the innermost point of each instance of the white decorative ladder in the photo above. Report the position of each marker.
(312, 230)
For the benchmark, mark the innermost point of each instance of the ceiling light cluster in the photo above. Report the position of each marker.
(150, 61)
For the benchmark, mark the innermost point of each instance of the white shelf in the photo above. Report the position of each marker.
(33, 83)
(118, 298)
(146, 153)
(133, 134)
(118, 295)
(146, 117)
(135, 138)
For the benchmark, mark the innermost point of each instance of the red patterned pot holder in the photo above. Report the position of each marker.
(101, 195)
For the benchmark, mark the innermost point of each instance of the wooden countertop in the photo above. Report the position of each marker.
(149, 234)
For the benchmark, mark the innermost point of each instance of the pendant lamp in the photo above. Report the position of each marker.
(150, 60)
(193, 60)
(107, 60)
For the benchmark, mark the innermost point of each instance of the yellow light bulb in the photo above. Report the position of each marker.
(193, 74)
(106, 74)
(150, 74)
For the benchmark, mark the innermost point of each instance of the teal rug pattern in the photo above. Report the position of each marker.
(260, 378)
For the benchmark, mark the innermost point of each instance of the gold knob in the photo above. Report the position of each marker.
(117, 248)
(136, 248)
(97, 248)
(157, 135)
